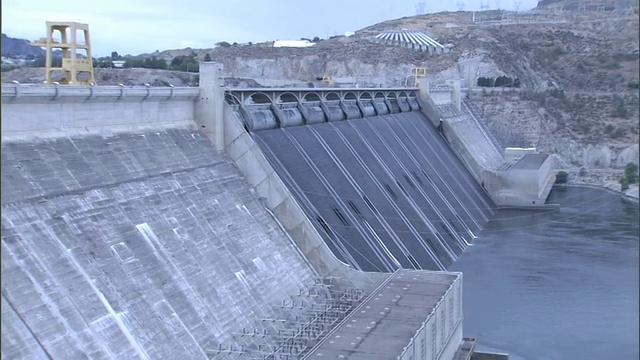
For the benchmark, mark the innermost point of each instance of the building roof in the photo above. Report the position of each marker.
(382, 325)
(292, 43)
(531, 162)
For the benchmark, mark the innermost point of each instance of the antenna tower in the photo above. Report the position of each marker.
(420, 8)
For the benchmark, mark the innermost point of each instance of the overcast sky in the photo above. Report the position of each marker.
(143, 26)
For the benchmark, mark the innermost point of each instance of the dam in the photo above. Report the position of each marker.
(214, 223)
(384, 190)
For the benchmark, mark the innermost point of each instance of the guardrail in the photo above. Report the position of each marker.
(50, 92)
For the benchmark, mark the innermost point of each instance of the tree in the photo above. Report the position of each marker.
(115, 55)
(207, 57)
(621, 108)
(516, 83)
(185, 63)
(104, 62)
(562, 177)
(631, 173)
(223, 44)
(316, 39)
(624, 184)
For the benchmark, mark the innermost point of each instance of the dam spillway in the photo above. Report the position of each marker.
(384, 190)
(140, 245)
(148, 223)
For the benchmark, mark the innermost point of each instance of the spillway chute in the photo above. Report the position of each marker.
(258, 117)
(351, 109)
(333, 110)
(312, 112)
(289, 115)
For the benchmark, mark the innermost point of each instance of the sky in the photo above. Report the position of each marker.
(144, 26)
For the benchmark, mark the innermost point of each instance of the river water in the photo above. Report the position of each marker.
(556, 285)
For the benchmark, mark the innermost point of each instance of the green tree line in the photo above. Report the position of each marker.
(500, 81)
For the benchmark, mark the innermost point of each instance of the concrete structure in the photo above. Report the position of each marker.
(292, 43)
(412, 315)
(75, 44)
(145, 222)
(508, 185)
(512, 154)
(411, 39)
(525, 183)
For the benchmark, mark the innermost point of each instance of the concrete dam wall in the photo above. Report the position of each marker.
(384, 190)
(140, 245)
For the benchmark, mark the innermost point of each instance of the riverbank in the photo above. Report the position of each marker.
(608, 179)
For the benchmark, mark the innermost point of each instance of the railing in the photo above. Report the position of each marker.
(34, 92)
(479, 119)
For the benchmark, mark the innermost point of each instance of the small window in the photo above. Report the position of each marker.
(427, 176)
(391, 192)
(408, 179)
(418, 179)
(369, 204)
(432, 247)
(354, 208)
(324, 225)
(413, 261)
(341, 217)
(401, 188)
(446, 229)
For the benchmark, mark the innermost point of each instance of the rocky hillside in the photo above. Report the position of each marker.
(12, 47)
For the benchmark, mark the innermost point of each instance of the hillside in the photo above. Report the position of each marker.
(579, 72)
(12, 47)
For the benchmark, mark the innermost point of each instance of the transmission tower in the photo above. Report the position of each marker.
(460, 6)
(498, 4)
(420, 8)
(484, 7)
(517, 6)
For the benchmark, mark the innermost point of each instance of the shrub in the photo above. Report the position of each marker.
(631, 173)
(624, 184)
(633, 84)
(486, 81)
(612, 64)
(620, 110)
(561, 177)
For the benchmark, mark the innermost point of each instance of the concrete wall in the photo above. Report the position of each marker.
(136, 245)
(514, 154)
(479, 355)
(514, 187)
(428, 107)
(474, 147)
(50, 109)
(445, 342)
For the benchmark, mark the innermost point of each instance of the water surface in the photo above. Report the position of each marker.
(560, 285)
